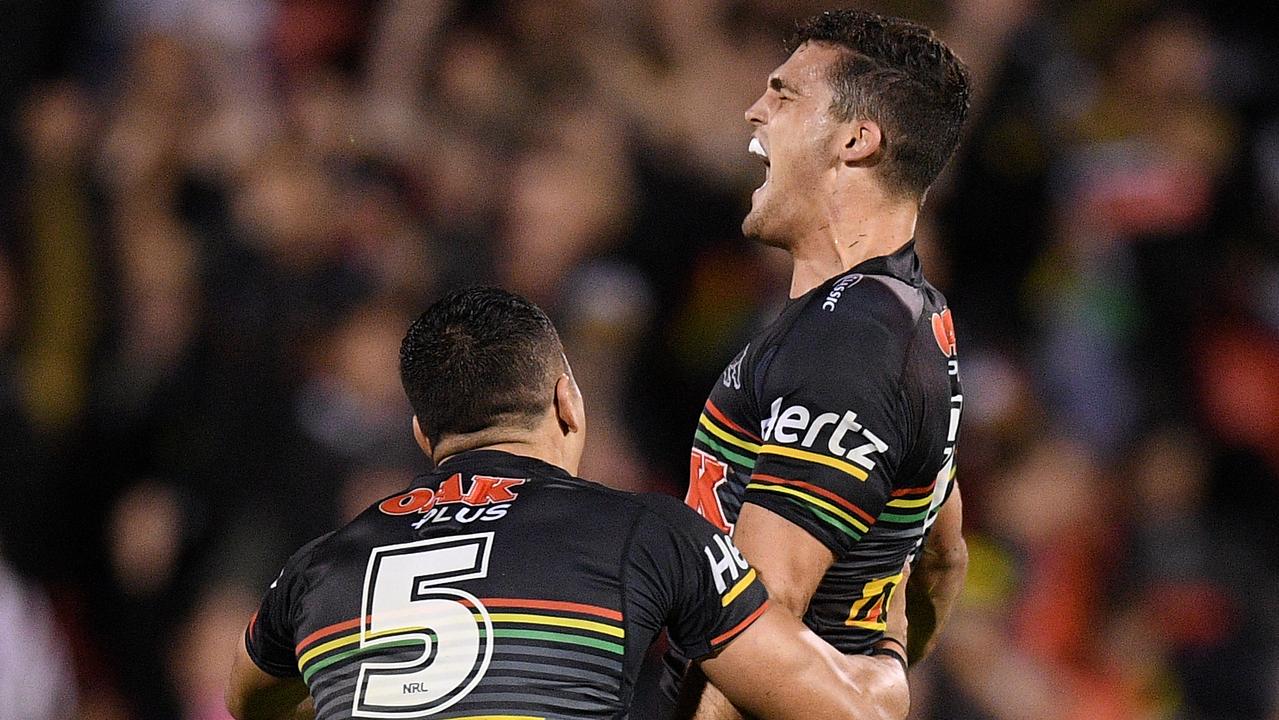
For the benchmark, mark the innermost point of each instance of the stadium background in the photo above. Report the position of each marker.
(219, 215)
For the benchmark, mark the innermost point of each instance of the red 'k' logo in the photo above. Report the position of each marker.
(705, 475)
(944, 332)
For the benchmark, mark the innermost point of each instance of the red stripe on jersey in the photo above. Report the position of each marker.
(819, 491)
(562, 606)
(335, 627)
(724, 419)
(916, 491)
(740, 626)
(553, 605)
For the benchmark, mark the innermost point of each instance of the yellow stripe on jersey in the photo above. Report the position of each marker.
(840, 465)
(921, 502)
(350, 640)
(725, 436)
(812, 500)
(556, 621)
(737, 589)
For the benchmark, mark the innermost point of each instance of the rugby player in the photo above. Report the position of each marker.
(827, 446)
(500, 586)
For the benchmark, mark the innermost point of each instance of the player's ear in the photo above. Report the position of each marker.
(861, 142)
(422, 440)
(570, 409)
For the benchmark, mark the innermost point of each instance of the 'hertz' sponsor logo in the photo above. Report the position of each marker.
(728, 567)
(839, 435)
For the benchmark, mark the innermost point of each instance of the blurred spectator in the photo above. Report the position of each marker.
(36, 680)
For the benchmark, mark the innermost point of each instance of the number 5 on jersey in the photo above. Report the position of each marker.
(405, 604)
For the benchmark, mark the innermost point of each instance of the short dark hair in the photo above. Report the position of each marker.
(898, 74)
(480, 358)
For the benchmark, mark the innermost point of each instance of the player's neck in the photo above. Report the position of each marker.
(853, 233)
(532, 444)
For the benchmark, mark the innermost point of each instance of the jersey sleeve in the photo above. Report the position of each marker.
(689, 575)
(270, 635)
(834, 416)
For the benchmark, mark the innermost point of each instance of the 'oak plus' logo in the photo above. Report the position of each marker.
(488, 498)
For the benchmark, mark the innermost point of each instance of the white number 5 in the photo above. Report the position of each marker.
(404, 605)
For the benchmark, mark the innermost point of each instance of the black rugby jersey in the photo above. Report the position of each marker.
(499, 587)
(841, 417)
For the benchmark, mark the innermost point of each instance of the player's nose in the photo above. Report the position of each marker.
(755, 113)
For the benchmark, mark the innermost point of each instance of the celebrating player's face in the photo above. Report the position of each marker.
(794, 134)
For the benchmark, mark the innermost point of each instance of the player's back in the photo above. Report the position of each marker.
(497, 586)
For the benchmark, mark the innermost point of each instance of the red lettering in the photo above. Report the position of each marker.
(705, 474)
(418, 500)
(489, 490)
(944, 332)
(450, 490)
(484, 491)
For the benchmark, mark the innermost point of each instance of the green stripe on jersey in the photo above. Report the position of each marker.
(561, 638)
(748, 462)
(894, 517)
(833, 521)
(338, 657)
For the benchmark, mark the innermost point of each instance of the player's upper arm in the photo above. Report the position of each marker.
(945, 547)
(938, 578)
(777, 668)
(253, 694)
(266, 667)
(835, 428)
(790, 561)
(691, 577)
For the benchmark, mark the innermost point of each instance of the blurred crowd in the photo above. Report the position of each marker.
(218, 216)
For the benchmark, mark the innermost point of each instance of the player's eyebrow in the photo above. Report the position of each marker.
(779, 85)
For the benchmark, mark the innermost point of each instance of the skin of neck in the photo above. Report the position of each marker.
(556, 437)
(533, 443)
(858, 221)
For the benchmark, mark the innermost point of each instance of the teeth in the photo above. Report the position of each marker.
(757, 148)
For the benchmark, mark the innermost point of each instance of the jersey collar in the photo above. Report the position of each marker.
(494, 462)
(903, 265)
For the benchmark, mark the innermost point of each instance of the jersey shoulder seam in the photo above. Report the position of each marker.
(907, 353)
(626, 595)
(667, 522)
(808, 309)
(304, 563)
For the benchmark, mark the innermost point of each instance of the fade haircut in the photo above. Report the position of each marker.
(899, 75)
(480, 358)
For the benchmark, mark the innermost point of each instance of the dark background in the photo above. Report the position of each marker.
(218, 216)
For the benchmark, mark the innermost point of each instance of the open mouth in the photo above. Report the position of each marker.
(757, 148)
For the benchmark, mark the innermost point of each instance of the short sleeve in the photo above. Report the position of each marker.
(834, 417)
(692, 575)
(270, 635)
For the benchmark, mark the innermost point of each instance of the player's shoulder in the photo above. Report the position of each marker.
(309, 550)
(860, 301)
(652, 517)
(673, 515)
(627, 502)
(864, 316)
(301, 560)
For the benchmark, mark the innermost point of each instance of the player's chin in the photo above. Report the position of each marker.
(756, 225)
